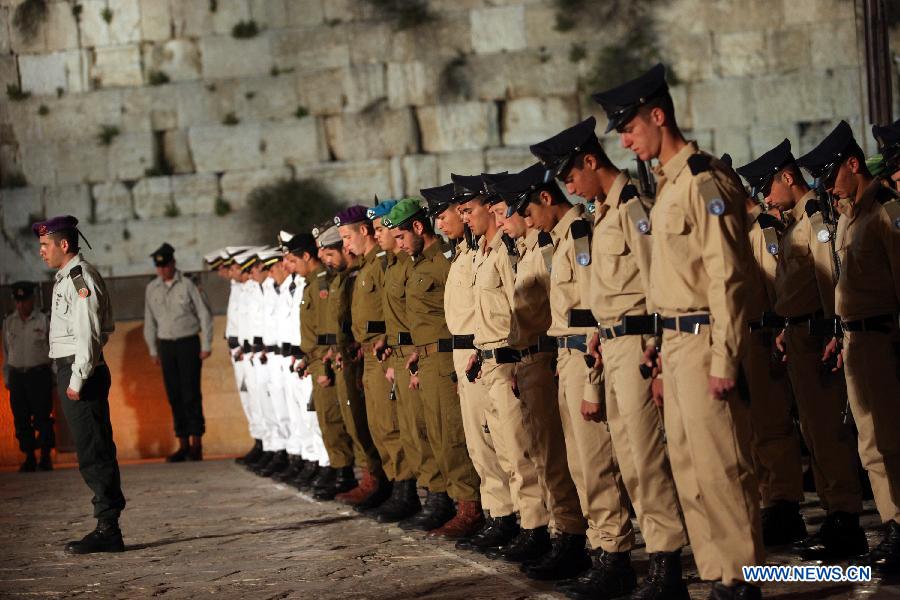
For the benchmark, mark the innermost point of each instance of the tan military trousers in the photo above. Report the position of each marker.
(821, 401)
(443, 419)
(513, 442)
(710, 453)
(413, 432)
(591, 460)
(384, 422)
(538, 394)
(474, 404)
(776, 447)
(872, 365)
(353, 410)
(637, 436)
(337, 442)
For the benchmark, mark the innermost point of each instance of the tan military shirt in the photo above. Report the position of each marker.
(531, 299)
(804, 278)
(25, 341)
(338, 313)
(869, 248)
(700, 261)
(425, 293)
(494, 283)
(566, 293)
(315, 295)
(459, 296)
(394, 295)
(620, 271)
(766, 263)
(175, 310)
(367, 313)
(80, 323)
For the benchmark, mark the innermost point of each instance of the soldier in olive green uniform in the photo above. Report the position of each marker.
(434, 361)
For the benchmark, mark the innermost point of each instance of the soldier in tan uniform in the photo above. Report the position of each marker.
(804, 299)
(588, 443)
(868, 303)
(699, 262)
(619, 280)
(433, 364)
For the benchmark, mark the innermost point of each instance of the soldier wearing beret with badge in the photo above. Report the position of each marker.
(29, 378)
(178, 331)
(81, 322)
(699, 263)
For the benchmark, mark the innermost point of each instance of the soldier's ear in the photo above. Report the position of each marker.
(546, 198)
(787, 177)
(657, 116)
(853, 165)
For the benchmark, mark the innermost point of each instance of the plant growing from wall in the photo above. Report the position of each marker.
(155, 77)
(577, 53)
(453, 82)
(107, 15)
(16, 93)
(230, 119)
(245, 29)
(301, 112)
(43, 110)
(14, 179)
(292, 205)
(77, 9)
(222, 206)
(107, 134)
(29, 16)
(60, 92)
(404, 14)
(172, 211)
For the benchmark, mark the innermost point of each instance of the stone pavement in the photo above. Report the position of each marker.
(212, 528)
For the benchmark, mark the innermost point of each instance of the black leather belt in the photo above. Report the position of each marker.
(463, 342)
(326, 339)
(632, 325)
(273, 349)
(545, 344)
(70, 360)
(685, 324)
(581, 317)
(572, 342)
(258, 345)
(801, 318)
(35, 369)
(879, 323)
(404, 339)
(446, 345)
(233, 343)
(768, 320)
(825, 327)
(286, 349)
(375, 327)
(505, 355)
(296, 351)
(246, 347)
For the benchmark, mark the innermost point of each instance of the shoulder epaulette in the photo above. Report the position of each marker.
(636, 211)
(890, 202)
(581, 236)
(699, 163)
(545, 239)
(817, 220)
(321, 273)
(628, 192)
(77, 276)
(766, 220)
(770, 227)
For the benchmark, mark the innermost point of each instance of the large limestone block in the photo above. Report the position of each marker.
(5, 42)
(806, 12)
(39, 163)
(178, 59)
(228, 13)
(264, 98)
(353, 181)
(58, 31)
(304, 13)
(511, 159)
(833, 44)
(447, 37)
(528, 120)
(293, 142)
(191, 18)
(467, 125)
(690, 55)
(735, 141)
(364, 85)
(237, 185)
(152, 197)
(420, 171)
(196, 194)
(68, 200)
(310, 48)
(788, 53)
(526, 73)
(498, 29)
(722, 102)
(149, 108)
(461, 162)
(224, 148)
(792, 97)
(8, 71)
(321, 92)
(117, 66)
(740, 53)
(124, 26)
(270, 13)
(199, 104)
(84, 160)
(177, 151)
(414, 83)
(19, 207)
(131, 154)
(845, 92)
(225, 56)
(156, 20)
(377, 133)
(43, 74)
(112, 202)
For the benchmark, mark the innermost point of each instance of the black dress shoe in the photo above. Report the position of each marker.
(566, 560)
(438, 510)
(264, 458)
(339, 481)
(466, 542)
(30, 464)
(500, 533)
(278, 464)
(325, 478)
(295, 465)
(782, 524)
(530, 544)
(376, 498)
(611, 576)
(179, 455)
(107, 537)
(664, 579)
(885, 557)
(839, 537)
(738, 591)
(403, 503)
(252, 454)
(46, 463)
(304, 479)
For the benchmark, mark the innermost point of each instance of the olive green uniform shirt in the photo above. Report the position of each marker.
(366, 309)
(425, 295)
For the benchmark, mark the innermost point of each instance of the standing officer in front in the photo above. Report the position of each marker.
(81, 322)
(178, 330)
(26, 371)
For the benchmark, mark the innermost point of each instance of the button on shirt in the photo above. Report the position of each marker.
(80, 325)
(174, 310)
(394, 296)
(25, 341)
(459, 297)
(567, 288)
(531, 300)
(367, 301)
(425, 295)
(494, 284)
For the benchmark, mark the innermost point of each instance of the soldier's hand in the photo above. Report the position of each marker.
(780, 346)
(720, 387)
(413, 382)
(72, 394)
(514, 384)
(338, 361)
(238, 356)
(413, 358)
(593, 349)
(472, 360)
(204, 354)
(389, 374)
(591, 411)
(833, 348)
(324, 381)
(155, 360)
(656, 391)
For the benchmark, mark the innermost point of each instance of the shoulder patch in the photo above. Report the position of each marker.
(628, 192)
(545, 239)
(635, 210)
(581, 235)
(699, 163)
(321, 273)
(77, 276)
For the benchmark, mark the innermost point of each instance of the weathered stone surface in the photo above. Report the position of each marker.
(68, 199)
(528, 120)
(152, 197)
(178, 59)
(223, 148)
(420, 171)
(199, 104)
(225, 56)
(58, 31)
(740, 53)
(735, 141)
(177, 151)
(270, 13)
(4, 30)
(228, 13)
(511, 159)
(364, 85)
(726, 103)
(236, 185)
(112, 202)
(788, 98)
(689, 55)
(264, 98)
(763, 138)
(145, 109)
(370, 41)
(117, 66)
(191, 18)
(196, 194)
(376, 133)
(78, 161)
(527, 73)
(18, 207)
(130, 155)
(462, 162)
(156, 20)
(294, 142)
(310, 48)
(305, 13)
(449, 127)
(412, 84)
(498, 29)
(449, 36)
(321, 92)
(787, 53)
(43, 74)
(8, 71)
(353, 181)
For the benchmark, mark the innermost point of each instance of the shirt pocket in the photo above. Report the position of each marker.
(611, 251)
(365, 285)
(60, 305)
(487, 279)
(673, 225)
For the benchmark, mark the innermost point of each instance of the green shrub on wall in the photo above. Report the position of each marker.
(294, 205)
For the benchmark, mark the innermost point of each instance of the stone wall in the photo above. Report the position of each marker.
(329, 89)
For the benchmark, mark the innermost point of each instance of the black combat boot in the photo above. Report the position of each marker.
(107, 537)
(530, 544)
(466, 542)
(181, 454)
(383, 490)
(501, 532)
(567, 559)
(611, 576)
(295, 465)
(279, 463)
(252, 454)
(325, 478)
(343, 480)
(304, 479)
(30, 464)
(260, 463)
(46, 462)
(664, 579)
(738, 591)
(885, 557)
(839, 537)
(782, 524)
(438, 510)
(403, 503)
